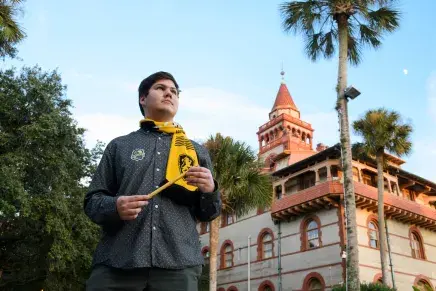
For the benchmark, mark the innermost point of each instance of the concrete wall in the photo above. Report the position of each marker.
(406, 268)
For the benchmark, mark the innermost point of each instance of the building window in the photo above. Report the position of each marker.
(227, 219)
(266, 286)
(315, 284)
(416, 244)
(423, 285)
(386, 185)
(278, 192)
(408, 195)
(310, 233)
(227, 254)
(314, 281)
(378, 279)
(291, 186)
(322, 174)
(356, 174)
(394, 188)
(373, 233)
(265, 244)
(206, 254)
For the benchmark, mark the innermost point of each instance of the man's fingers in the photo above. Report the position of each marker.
(135, 204)
(138, 198)
(197, 181)
(197, 169)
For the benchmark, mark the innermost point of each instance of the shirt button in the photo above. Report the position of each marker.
(158, 153)
(157, 169)
(154, 227)
(159, 138)
(156, 206)
(156, 186)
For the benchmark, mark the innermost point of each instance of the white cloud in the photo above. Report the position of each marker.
(202, 112)
(431, 94)
(105, 127)
(405, 71)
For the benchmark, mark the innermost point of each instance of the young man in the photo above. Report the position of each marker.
(151, 244)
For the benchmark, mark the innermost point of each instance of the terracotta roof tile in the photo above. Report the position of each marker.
(284, 99)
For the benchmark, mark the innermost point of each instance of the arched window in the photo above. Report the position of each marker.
(265, 244)
(205, 252)
(378, 279)
(266, 286)
(315, 284)
(423, 283)
(416, 243)
(314, 281)
(310, 233)
(373, 231)
(227, 254)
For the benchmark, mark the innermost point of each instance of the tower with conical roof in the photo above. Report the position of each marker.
(285, 138)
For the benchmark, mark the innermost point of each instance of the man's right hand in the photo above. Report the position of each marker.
(129, 207)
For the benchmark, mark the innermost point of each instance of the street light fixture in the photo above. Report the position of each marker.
(351, 92)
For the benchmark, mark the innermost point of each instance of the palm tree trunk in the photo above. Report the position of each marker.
(381, 217)
(213, 249)
(352, 270)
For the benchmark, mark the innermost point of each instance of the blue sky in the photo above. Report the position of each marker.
(227, 59)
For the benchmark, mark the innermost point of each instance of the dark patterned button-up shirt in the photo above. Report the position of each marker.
(164, 234)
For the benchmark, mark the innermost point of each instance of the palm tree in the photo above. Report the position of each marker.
(10, 32)
(346, 25)
(383, 130)
(242, 186)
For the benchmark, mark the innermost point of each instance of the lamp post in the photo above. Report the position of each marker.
(249, 263)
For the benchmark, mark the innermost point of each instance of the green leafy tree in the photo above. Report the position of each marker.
(242, 185)
(383, 130)
(46, 241)
(10, 31)
(346, 26)
(366, 287)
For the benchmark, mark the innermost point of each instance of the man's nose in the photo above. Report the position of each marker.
(168, 93)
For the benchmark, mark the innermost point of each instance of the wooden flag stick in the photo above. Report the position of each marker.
(166, 185)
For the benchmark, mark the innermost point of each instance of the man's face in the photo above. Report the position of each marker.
(162, 101)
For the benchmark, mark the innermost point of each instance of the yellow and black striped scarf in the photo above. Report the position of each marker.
(182, 153)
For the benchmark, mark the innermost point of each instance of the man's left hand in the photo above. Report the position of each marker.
(201, 178)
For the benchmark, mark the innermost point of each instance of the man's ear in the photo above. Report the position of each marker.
(143, 100)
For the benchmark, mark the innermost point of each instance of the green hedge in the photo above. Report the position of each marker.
(367, 287)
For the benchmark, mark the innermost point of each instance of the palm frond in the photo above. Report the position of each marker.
(384, 129)
(383, 19)
(10, 31)
(315, 20)
(238, 172)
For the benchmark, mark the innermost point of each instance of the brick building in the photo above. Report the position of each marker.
(299, 243)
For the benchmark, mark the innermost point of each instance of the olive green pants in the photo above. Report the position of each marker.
(144, 279)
